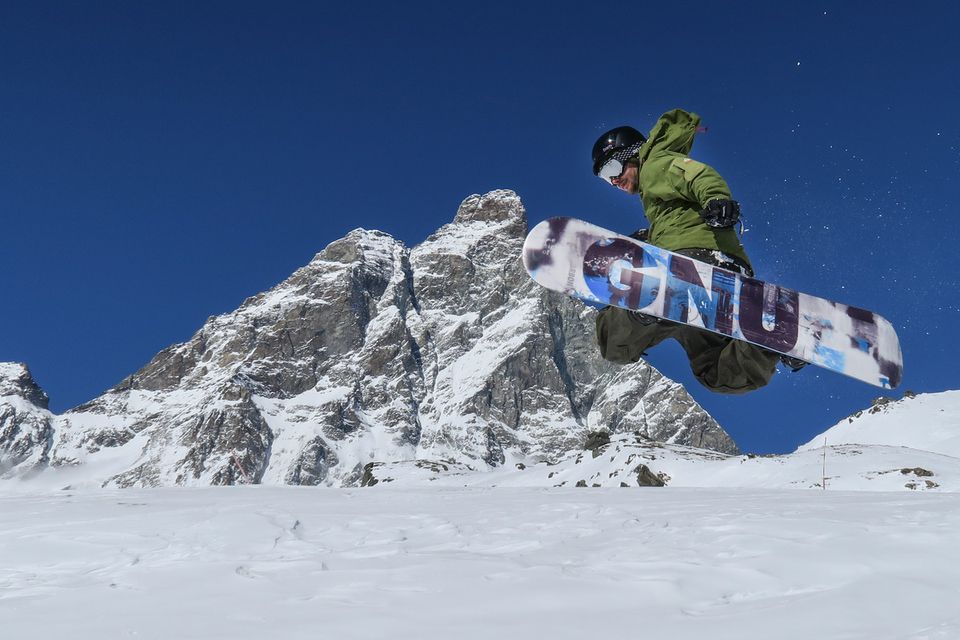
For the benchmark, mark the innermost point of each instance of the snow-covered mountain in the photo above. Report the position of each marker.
(373, 352)
(910, 444)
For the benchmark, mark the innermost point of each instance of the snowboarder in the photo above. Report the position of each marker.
(691, 211)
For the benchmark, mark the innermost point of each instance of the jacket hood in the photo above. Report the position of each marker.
(674, 131)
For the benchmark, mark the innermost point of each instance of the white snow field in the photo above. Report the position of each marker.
(394, 562)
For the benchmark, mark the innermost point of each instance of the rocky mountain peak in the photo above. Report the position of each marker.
(26, 431)
(374, 352)
(16, 380)
(360, 245)
(499, 206)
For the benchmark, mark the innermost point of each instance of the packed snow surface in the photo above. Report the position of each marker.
(400, 562)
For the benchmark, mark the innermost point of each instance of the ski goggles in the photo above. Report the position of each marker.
(611, 169)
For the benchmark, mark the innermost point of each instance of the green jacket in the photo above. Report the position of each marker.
(674, 188)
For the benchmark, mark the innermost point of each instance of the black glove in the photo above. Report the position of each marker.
(721, 214)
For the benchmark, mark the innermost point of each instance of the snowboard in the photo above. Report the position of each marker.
(600, 266)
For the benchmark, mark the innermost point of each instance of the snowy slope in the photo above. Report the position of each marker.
(909, 444)
(631, 461)
(927, 422)
(301, 562)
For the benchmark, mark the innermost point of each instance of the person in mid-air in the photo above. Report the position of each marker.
(690, 211)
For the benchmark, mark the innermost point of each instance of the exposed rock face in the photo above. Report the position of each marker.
(375, 353)
(26, 431)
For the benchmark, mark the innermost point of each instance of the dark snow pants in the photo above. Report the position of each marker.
(721, 364)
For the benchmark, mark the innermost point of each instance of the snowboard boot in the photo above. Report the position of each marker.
(794, 364)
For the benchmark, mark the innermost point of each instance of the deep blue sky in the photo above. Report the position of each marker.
(160, 162)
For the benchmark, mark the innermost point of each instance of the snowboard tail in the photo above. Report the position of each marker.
(591, 263)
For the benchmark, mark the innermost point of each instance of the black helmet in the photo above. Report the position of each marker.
(622, 142)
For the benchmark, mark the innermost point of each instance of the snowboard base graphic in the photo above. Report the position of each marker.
(591, 263)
